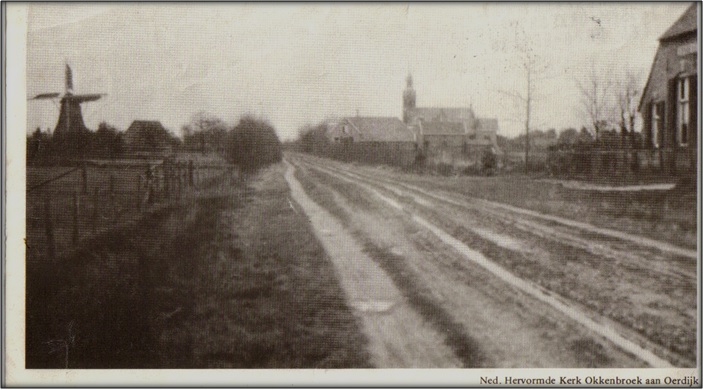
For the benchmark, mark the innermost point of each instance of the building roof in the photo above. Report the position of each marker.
(380, 129)
(147, 134)
(443, 113)
(442, 128)
(688, 22)
(487, 124)
(146, 126)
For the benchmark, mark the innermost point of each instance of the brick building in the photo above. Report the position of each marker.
(384, 140)
(448, 134)
(669, 100)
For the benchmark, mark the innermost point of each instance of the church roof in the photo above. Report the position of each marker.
(380, 129)
(685, 24)
(442, 128)
(443, 113)
(487, 124)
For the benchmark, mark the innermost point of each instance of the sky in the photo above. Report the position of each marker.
(297, 64)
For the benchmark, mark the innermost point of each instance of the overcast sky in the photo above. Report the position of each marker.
(301, 63)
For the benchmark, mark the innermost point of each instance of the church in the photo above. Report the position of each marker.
(450, 135)
(438, 135)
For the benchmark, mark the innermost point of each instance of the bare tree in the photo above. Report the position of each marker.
(534, 70)
(627, 97)
(596, 102)
(205, 131)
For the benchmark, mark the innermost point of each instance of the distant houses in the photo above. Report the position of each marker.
(148, 138)
(669, 100)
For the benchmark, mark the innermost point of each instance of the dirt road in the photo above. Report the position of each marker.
(499, 285)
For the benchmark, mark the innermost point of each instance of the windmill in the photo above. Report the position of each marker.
(70, 116)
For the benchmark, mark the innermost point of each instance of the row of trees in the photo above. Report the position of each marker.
(252, 143)
(608, 100)
(44, 148)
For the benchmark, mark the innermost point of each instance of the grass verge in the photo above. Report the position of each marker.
(229, 281)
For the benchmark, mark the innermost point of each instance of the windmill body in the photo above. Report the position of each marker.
(70, 116)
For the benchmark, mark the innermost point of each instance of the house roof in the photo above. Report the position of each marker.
(140, 126)
(382, 129)
(688, 22)
(445, 113)
(442, 128)
(147, 132)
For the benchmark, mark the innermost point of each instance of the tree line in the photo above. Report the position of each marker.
(107, 142)
(251, 144)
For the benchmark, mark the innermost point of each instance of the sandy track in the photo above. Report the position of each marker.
(398, 336)
(496, 207)
(623, 256)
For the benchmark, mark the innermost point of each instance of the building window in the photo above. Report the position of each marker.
(345, 129)
(683, 115)
(657, 122)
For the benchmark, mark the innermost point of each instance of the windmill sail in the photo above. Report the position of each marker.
(84, 98)
(46, 96)
(69, 80)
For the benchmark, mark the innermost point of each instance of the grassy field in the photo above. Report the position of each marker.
(234, 279)
(113, 194)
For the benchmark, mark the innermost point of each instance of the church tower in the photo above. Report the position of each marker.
(408, 99)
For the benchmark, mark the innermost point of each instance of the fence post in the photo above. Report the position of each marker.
(167, 179)
(96, 207)
(112, 198)
(184, 175)
(179, 181)
(76, 205)
(84, 176)
(49, 228)
(139, 192)
(190, 173)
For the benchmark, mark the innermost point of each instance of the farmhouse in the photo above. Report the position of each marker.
(448, 133)
(148, 137)
(373, 139)
(669, 100)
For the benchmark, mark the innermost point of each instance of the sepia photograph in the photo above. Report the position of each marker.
(508, 189)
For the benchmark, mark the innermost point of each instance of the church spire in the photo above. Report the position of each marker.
(408, 98)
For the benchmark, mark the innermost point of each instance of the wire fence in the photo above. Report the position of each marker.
(66, 205)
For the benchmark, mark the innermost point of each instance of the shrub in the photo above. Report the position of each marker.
(253, 144)
(489, 162)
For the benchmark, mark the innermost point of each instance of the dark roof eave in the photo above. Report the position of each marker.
(665, 38)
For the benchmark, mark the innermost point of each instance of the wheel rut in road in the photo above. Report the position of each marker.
(398, 336)
(488, 204)
(526, 286)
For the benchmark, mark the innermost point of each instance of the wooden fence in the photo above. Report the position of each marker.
(68, 204)
(623, 164)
